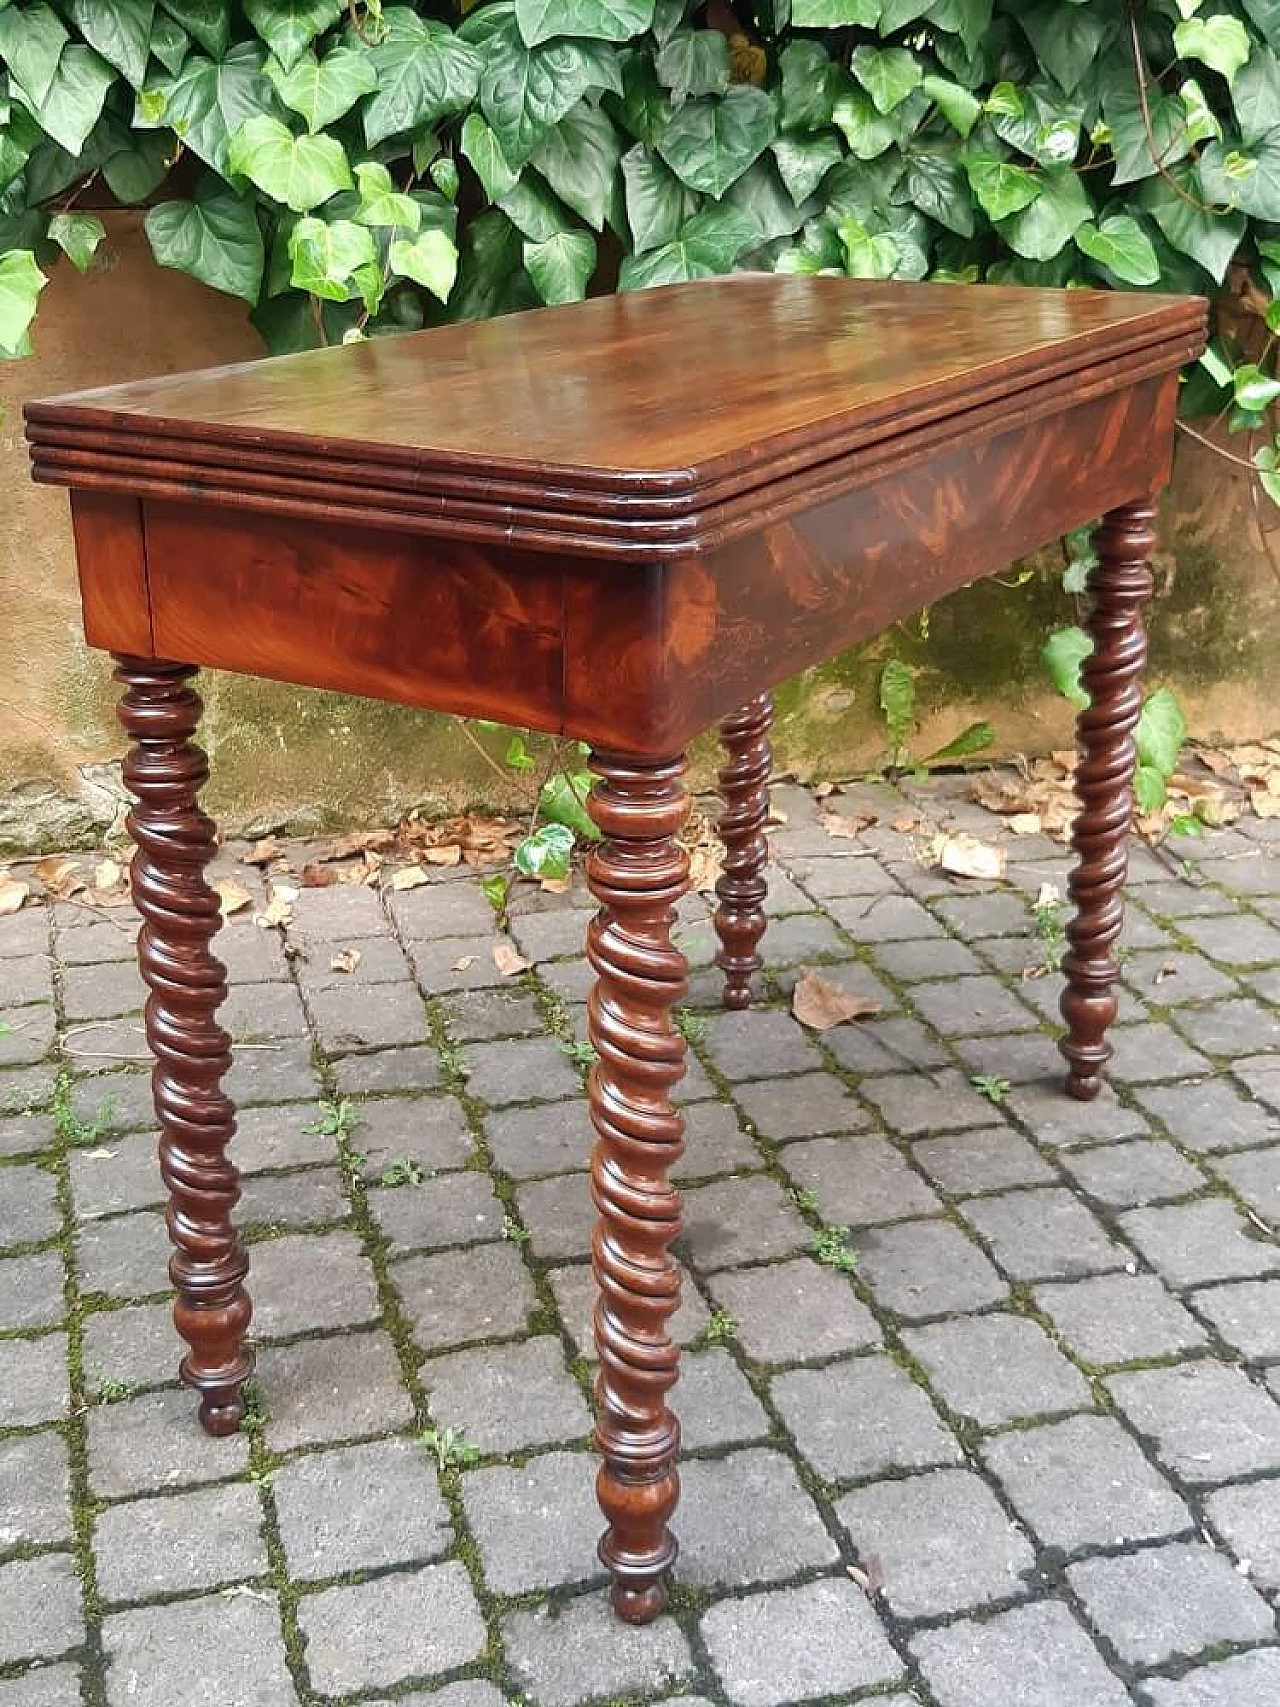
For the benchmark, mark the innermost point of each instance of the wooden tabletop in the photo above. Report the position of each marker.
(662, 419)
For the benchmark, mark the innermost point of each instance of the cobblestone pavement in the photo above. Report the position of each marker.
(1041, 1422)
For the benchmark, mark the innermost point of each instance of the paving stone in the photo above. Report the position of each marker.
(282, 1072)
(746, 1518)
(311, 1280)
(530, 1069)
(26, 932)
(558, 1215)
(30, 1035)
(119, 1174)
(1124, 1175)
(331, 1389)
(1020, 1058)
(1208, 1117)
(47, 1686)
(1168, 1603)
(263, 1013)
(276, 1136)
(992, 1158)
(1145, 1053)
(380, 960)
(35, 1490)
(1232, 1028)
(507, 1398)
(1180, 902)
(1060, 1122)
(560, 1656)
(1243, 940)
(125, 1256)
(456, 1209)
(1119, 1318)
(447, 908)
(918, 1106)
(452, 1297)
(242, 1658)
(1191, 1243)
(807, 1105)
(997, 1369)
(961, 1007)
(790, 1312)
(887, 1045)
(714, 1143)
(859, 1181)
(1260, 1076)
(136, 1345)
(430, 1131)
(28, 1205)
(550, 935)
(467, 1694)
(100, 990)
(1243, 1681)
(716, 1405)
(1248, 1519)
(528, 1142)
(1084, 1482)
(943, 1542)
(250, 954)
(796, 1644)
(40, 1611)
(536, 1524)
(740, 1220)
(1034, 1656)
(1043, 1234)
(927, 1268)
(759, 1042)
(33, 1380)
(1247, 1316)
(827, 877)
(480, 1016)
(575, 1295)
(455, 962)
(1209, 1423)
(23, 1134)
(31, 1289)
(306, 1198)
(379, 1016)
(360, 1508)
(879, 918)
(914, 962)
(81, 941)
(1255, 1174)
(406, 1067)
(154, 1442)
(176, 1542)
(861, 1418)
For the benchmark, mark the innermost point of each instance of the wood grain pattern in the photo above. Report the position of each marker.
(1120, 585)
(112, 566)
(742, 887)
(637, 874)
(175, 841)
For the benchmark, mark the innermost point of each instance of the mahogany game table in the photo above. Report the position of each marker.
(621, 521)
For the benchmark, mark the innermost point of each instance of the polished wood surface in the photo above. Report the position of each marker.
(622, 521)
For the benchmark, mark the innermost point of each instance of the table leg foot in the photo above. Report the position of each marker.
(1121, 585)
(741, 890)
(175, 839)
(637, 874)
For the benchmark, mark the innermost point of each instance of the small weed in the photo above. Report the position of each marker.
(514, 1232)
(805, 1199)
(832, 1248)
(6, 1030)
(581, 1054)
(992, 1086)
(451, 1060)
(450, 1448)
(720, 1329)
(74, 1131)
(262, 1478)
(335, 1120)
(112, 1391)
(1049, 927)
(497, 892)
(254, 1415)
(402, 1170)
(692, 1027)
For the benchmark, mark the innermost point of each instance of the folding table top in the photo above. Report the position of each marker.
(641, 412)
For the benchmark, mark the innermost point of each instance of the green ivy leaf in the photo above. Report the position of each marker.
(694, 62)
(834, 14)
(1149, 789)
(1062, 655)
(1254, 390)
(120, 30)
(170, 43)
(811, 82)
(804, 161)
(761, 195)
(937, 186)
(534, 211)
(76, 97)
(329, 257)
(322, 90)
(1161, 732)
(708, 244)
(1066, 39)
(563, 801)
(1247, 179)
(524, 92)
(78, 236)
(712, 140)
(1210, 238)
(1256, 95)
(868, 255)
(1001, 187)
(897, 701)
(603, 20)
(21, 282)
(215, 238)
(209, 100)
(425, 74)
(547, 853)
(656, 200)
(561, 267)
(205, 21)
(1044, 228)
(381, 204)
(134, 171)
(1119, 244)
(961, 109)
(1219, 42)
(481, 147)
(31, 42)
(580, 160)
(290, 26)
(300, 171)
(888, 74)
(430, 259)
(868, 133)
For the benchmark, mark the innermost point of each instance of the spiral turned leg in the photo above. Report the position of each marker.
(175, 842)
(637, 874)
(1120, 587)
(741, 890)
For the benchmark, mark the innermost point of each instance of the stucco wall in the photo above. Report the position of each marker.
(309, 759)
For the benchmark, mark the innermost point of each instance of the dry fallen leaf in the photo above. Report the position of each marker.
(465, 963)
(345, 961)
(1264, 802)
(411, 877)
(58, 874)
(12, 894)
(706, 864)
(263, 852)
(449, 854)
(278, 911)
(1025, 823)
(821, 1004)
(107, 874)
(316, 876)
(869, 1577)
(904, 826)
(1168, 970)
(508, 961)
(839, 824)
(966, 856)
(232, 897)
(556, 885)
